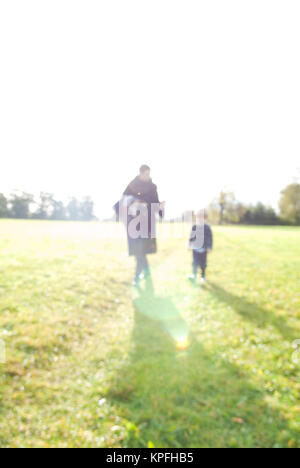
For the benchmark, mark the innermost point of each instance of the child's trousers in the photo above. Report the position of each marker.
(199, 261)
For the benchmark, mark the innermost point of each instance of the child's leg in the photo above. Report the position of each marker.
(203, 263)
(195, 263)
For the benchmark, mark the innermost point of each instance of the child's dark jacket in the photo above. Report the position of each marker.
(201, 238)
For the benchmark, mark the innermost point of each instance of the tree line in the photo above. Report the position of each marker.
(225, 209)
(22, 205)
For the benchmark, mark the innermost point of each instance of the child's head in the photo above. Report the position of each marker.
(202, 216)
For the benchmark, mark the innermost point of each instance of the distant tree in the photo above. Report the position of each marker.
(3, 206)
(222, 204)
(73, 210)
(214, 213)
(59, 212)
(23, 206)
(45, 206)
(235, 212)
(80, 210)
(260, 215)
(225, 209)
(87, 209)
(290, 204)
(19, 205)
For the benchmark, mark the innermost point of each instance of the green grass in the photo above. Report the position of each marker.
(92, 363)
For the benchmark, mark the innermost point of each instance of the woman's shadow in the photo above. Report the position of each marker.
(161, 313)
(176, 393)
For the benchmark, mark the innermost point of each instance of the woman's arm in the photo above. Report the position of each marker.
(128, 191)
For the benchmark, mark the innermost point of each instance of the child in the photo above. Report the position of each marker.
(201, 242)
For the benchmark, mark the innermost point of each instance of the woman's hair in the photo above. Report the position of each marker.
(144, 168)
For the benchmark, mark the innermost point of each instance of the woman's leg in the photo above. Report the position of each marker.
(142, 266)
(139, 266)
(146, 268)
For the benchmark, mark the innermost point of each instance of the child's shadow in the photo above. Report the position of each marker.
(252, 312)
(175, 393)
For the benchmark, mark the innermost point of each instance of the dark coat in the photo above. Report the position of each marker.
(146, 193)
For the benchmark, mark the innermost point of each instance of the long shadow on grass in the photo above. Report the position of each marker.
(253, 312)
(176, 397)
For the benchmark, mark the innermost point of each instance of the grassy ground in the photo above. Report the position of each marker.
(91, 362)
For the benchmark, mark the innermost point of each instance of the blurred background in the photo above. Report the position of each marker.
(206, 94)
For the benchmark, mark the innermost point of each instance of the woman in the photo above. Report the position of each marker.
(141, 220)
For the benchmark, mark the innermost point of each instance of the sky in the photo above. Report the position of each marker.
(205, 92)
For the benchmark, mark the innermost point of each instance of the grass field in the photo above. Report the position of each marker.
(90, 362)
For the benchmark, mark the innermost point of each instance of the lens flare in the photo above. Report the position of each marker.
(182, 343)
